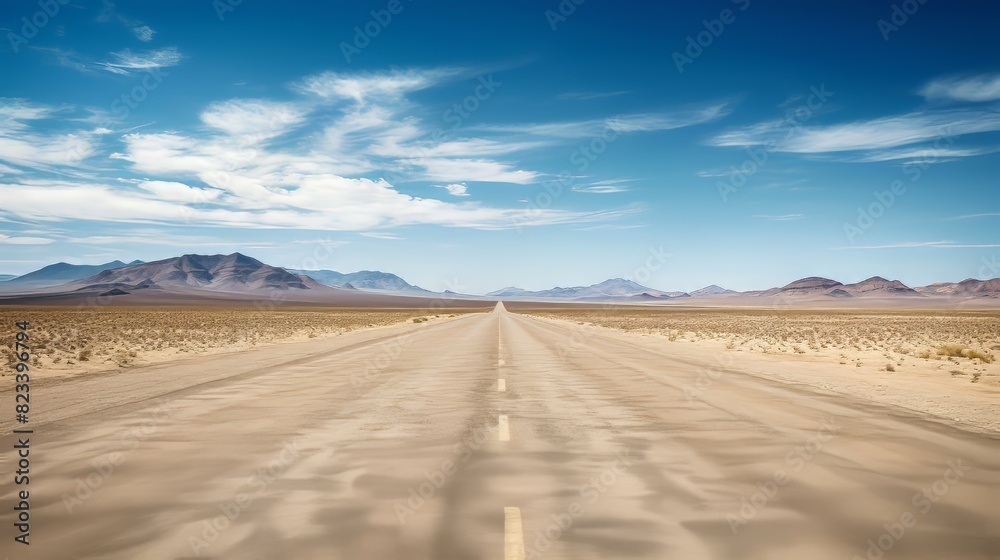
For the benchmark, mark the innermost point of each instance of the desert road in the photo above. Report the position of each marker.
(489, 436)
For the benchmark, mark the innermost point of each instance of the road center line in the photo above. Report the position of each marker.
(513, 534)
(501, 385)
(504, 428)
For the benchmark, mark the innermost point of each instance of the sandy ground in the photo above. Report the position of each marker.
(892, 360)
(397, 443)
(69, 342)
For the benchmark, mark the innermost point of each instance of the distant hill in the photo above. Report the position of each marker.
(876, 285)
(969, 287)
(815, 287)
(231, 273)
(712, 290)
(812, 284)
(60, 273)
(614, 288)
(363, 280)
(508, 291)
(5, 277)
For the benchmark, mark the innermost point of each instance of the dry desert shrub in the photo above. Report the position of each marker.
(876, 335)
(118, 336)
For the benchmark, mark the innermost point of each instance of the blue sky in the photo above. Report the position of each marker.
(471, 146)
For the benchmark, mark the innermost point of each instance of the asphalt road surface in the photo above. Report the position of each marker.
(488, 436)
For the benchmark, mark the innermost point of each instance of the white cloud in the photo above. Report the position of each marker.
(718, 172)
(637, 122)
(923, 155)
(919, 244)
(143, 32)
(21, 145)
(599, 188)
(16, 240)
(985, 215)
(126, 62)
(360, 87)
(455, 189)
(256, 119)
(875, 134)
(456, 169)
(984, 87)
(228, 174)
(381, 235)
(325, 202)
(781, 217)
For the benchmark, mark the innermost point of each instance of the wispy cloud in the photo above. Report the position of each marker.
(605, 227)
(127, 62)
(636, 122)
(322, 175)
(922, 155)
(875, 134)
(161, 237)
(919, 244)
(609, 186)
(718, 172)
(255, 119)
(361, 87)
(141, 31)
(21, 144)
(381, 235)
(781, 217)
(984, 215)
(980, 88)
(6, 239)
(67, 58)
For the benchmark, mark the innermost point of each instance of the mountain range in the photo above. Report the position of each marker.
(615, 288)
(237, 276)
(363, 280)
(814, 286)
(60, 273)
(225, 273)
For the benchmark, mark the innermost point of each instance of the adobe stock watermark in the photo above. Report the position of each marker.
(588, 153)
(758, 155)
(898, 17)
(32, 25)
(767, 490)
(462, 110)
(884, 200)
(654, 261)
(365, 34)
(258, 482)
(391, 349)
(121, 107)
(462, 452)
(696, 44)
(323, 250)
(105, 465)
(923, 502)
(581, 158)
(990, 268)
(706, 379)
(563, 10)
(130, 100)
(224, 7)
(590, 494)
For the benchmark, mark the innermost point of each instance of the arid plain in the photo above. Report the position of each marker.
(516, 433)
